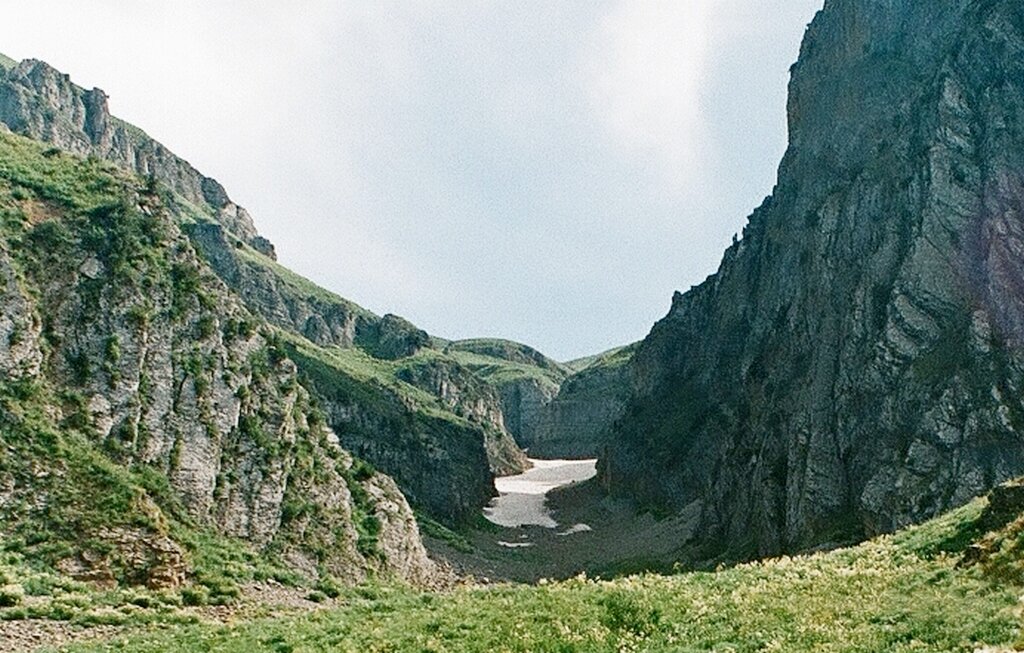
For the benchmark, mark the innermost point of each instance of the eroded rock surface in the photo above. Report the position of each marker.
(855, 364)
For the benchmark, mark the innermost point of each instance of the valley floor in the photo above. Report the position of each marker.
(581, 530)
(898, 593)
(953, 584)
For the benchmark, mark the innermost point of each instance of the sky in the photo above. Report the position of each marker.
(547, 172)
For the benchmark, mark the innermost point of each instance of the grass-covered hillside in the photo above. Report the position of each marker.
(611, 358)
(952, 584)
(500, 361)
(577, 422)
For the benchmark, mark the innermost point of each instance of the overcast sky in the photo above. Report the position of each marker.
(542, 171)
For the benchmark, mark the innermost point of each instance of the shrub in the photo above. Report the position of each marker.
(11, 595)
(316, 596)
(195, 595)
(328, 586)
(629, 612)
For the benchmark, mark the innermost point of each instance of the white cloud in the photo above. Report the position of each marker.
(645, 69)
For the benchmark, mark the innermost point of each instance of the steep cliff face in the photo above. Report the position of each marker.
(856, 362)
(555, 410)
(392, 349)
(471, 398)
(577, 422)
(124, 353)
(42, 103)
(280, 296)
(438, 458)
(525, 379)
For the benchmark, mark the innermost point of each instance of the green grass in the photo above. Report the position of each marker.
(6, 62)
(50, 176)
(611, 358)
(517, 356)
(896, 593)
(432, 528)
(354, 373)
(498, 371)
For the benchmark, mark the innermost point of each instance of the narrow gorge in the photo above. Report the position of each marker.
(187, 426)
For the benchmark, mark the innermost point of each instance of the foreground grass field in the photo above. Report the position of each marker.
(908, 592)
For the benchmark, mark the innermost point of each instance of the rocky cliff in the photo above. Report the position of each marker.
(142, 401)
(42, 103)
(555, 410)
(291, 302)
(526, 381)
(387, 349)
(855, 364)
(577, 421)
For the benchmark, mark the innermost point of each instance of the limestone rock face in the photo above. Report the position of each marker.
(525, 379)
(855, 364)
(442, 466)
(578, 421)
(402, 551)
(397, 338)
(110, 316)
(469, 397)
(276, 295)
(523, 401)
(20, 327)
(375, 421)
(42, 103)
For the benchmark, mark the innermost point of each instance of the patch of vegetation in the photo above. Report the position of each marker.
(353, 376)
(611, 358)
(499, 371)
(509, 351)
(364, 516)
(80, 184)
(432, 528)
(903, 593)
(124, 239)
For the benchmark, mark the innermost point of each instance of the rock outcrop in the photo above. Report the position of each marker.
(469, 397)
(283, 298)
(525, 379)
(856, 363)
(42, 103)
(20, 353)
(577, 422)
(389, 344)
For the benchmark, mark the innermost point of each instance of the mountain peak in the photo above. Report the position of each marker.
(39, 101)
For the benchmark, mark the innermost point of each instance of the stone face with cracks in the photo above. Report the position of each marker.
(856, 363)
(164, 369)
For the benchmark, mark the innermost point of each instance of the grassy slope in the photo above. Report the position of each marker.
(6, 62)
(361, 375)
(611, 358)
(499, 370)
(302, 286)
(896, 593)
